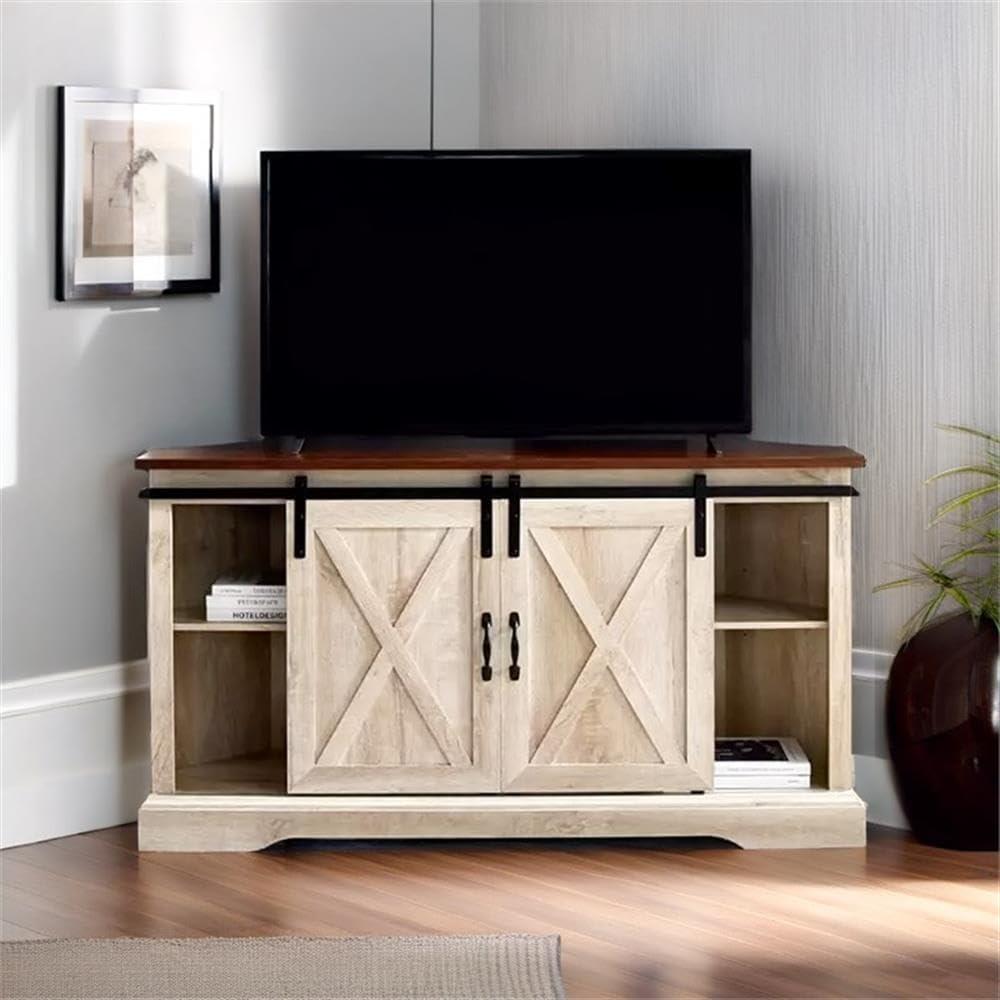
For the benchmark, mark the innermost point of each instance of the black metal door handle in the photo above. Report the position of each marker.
(515, 647)
(487, 670)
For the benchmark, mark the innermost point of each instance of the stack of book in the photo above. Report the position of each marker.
(246, 597)
(760, 762)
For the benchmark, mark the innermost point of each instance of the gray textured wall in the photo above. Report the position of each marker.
(85, 387)
(874, 134)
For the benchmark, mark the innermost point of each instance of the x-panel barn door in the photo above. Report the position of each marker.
(616, 684)
(386, 693)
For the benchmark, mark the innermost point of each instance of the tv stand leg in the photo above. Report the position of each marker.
(711, 447)
(291, 445)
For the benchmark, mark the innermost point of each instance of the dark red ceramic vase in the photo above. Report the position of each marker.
(942, 713)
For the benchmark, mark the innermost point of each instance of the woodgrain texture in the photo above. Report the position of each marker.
(776, 684)
(747, 613)
(774, 552)
(222, 695)
(384, 642)
(638, 919)
(160, 643)
(230, 478)
(616, 685)
(621, 658)
(215, 538)
(874, 136)
(261, 773)
(217, 689)
(482, 454)
(840, 764)
(791, 818)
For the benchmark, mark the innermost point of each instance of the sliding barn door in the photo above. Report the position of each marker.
(386, 690)
(615, 686)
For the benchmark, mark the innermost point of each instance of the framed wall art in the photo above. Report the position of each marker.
(138, 193)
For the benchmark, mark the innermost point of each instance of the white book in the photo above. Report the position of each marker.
(759, 757)
(250, 590)
(248, 585)
(229, 601)
(245, 615)
(763, 782)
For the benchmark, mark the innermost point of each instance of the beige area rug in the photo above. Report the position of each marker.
(495, 966)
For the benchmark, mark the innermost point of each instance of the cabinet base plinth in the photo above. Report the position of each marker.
(787, 819)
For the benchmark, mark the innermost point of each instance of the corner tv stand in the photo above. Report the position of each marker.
(499, 640)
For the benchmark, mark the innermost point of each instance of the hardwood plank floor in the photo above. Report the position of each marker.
(637, 918)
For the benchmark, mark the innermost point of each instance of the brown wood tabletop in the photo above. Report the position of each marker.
(637, 918)
(486, 454)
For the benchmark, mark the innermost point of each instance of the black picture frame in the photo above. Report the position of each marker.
(70, 284)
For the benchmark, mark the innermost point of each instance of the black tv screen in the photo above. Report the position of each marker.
(505, 294)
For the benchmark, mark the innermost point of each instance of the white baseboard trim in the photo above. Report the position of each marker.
(74, 750)
(873, 778)
(874, 783)
(75, 687)
(58, 805)
(871, 664)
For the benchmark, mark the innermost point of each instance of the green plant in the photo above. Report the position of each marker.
(968, 574)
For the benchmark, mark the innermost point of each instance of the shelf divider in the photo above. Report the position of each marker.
(743, 613)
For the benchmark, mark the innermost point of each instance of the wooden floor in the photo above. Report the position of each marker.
(637, 918)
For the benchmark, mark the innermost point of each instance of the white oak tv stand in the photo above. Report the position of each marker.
(499, 640)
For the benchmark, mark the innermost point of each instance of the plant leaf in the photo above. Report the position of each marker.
(986, 515)
(963, 501)
(961, 429)
(922, 615)
(970, 470)
(908, 581)
(976, 550)
(960, 577)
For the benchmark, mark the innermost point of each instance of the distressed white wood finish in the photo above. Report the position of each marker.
(385, 691)
(160, 611)
(214, 537)
(739, 613)
(470, 477)
(841, 762)
(405, 585)
(615, 692)
(789, 819)
(774, 551)
(777, 683)
(261, 773)
(874, 130)
(222, 696)
(216, 689)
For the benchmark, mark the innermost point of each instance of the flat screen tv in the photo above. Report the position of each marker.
(513, 294)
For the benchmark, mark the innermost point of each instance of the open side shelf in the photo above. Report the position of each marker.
(229, 677)
(772, 558)
(775, 683)
(740, 613)
(210, 539)
(260, 773)
(229, 715)
(772, 641)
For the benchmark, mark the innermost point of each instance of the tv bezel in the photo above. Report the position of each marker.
(578, 429)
